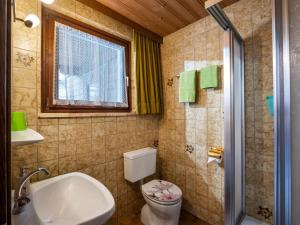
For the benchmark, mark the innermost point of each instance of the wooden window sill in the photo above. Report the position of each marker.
(70, 115)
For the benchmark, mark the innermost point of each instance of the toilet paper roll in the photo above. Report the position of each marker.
(214, 160)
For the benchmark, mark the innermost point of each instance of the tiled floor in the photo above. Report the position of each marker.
(185, 219)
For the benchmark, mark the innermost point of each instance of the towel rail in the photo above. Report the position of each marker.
(171, 79)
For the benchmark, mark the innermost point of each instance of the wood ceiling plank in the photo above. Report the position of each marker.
(157, 17)
(117, 16)
(184, 4)
(173, 12)
(138, 6)
(196, 7)
(124, 10)
(201, 2)
(181, 10)
(159, 10)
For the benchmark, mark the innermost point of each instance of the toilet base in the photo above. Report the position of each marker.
(150, 218)
(145, 215)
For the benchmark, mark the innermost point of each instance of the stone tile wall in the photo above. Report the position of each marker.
(90, 144)
(201, 124)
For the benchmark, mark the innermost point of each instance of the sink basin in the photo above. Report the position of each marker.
(69, 199)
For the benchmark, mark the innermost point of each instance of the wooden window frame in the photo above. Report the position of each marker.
(49, 17)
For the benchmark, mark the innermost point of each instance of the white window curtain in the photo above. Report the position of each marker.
(89, 70)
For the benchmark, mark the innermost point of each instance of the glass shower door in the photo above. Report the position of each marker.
(234, 127)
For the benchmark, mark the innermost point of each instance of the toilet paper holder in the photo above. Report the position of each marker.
(215, 154)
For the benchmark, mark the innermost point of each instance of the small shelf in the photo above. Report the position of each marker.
(25, 137)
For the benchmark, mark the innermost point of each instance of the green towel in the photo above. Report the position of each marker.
(209, 77)
(187, 86)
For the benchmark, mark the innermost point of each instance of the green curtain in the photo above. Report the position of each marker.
(148, 75)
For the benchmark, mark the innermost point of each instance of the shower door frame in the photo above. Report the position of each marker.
(229, 128)
(282, 115)
(231, 35)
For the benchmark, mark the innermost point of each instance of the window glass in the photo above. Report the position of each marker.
(88, 70)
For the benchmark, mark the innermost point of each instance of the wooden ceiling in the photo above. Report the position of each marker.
(161, 17)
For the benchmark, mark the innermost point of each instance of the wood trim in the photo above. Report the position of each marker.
(49, 17)
(5, 70)
(113, 14)
(210, 3)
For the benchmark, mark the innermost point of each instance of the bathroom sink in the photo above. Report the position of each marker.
(69, 199)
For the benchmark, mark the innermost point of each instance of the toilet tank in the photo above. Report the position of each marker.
(139, 164)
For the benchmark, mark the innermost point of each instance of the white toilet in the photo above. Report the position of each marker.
(163, 199)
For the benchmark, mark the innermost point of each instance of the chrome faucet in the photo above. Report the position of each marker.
(21, 199)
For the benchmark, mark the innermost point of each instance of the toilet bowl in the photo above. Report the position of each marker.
(163, 203)
(163, 199)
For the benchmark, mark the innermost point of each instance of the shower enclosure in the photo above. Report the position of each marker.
(234, 121)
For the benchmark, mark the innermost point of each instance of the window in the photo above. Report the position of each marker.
(84, 69)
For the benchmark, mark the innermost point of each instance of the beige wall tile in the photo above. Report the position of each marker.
(51, 121)
(49, 132)
(47, 151)
(67, 132)
(92, 145)
(24, 97)
(66, 121)
(24, 59)
(23, 37)
(66, 148)
(98, 130)
(202, 124)
(26, 154)
(83, 146)
(67, 164)
(84, 130)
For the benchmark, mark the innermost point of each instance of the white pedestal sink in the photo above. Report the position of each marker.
(69, 199)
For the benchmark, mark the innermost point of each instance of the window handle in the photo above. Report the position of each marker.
(127, 81)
